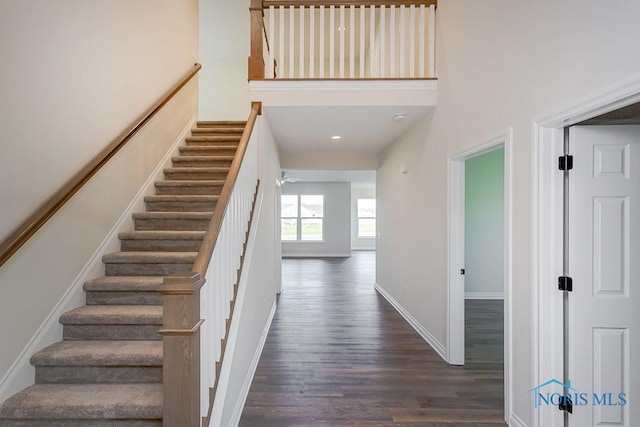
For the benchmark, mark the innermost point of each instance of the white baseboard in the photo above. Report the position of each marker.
(317, 255)
(246, 385)
(21, 374)
(484, 295)
(430, 339)
(515, 421)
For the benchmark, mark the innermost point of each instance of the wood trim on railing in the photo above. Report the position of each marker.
(317, 3)
(255, 66)
(32, 224)
(211, 236)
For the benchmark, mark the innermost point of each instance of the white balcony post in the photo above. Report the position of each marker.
(281, 41)
(383, 42)
(292, 39)
(432, 41)
(312, 41)
(372, 38)
(392, 41)
(362, 33)
(342, 30)
(332, 41)
(352, 41)
(302, 42)
(403, 49)
(412, 41)
(321, 41)
(421, 41)
(272, 39)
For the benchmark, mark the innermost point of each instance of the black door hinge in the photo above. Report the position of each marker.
(462, 271)
(565, 283)
(565, 404)
(565, 162)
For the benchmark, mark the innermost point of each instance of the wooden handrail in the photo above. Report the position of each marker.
(211, 235)
(32, 224)
(317, 3)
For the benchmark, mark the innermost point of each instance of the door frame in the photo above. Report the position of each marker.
(547, 222)
(455, 226)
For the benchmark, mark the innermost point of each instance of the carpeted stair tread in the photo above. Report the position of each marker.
(186, 187)
(182, 198)
(218, 140)
(218, 131)
(150, 257)
(223, 123)
(192, 221)
(217, 149)
(199, 169)
(113, 315)
(192, 161)
(172, 215)
(196, 173)
(100, 353)
(161, 235)
(124, 283)
(192, 158)
(181, 203)
(85, 401)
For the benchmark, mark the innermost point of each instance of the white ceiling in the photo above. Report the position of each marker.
(365, 129)
(360, 178)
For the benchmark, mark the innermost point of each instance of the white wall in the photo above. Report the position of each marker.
(501, 64)
(359, 243)
(337, 219)
(73, 75)
(224, 48)
(484, 225)
(263, 281)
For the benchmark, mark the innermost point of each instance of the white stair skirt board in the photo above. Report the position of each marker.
(21, 374)
(430, 339)
(246, 385)
(515, 421)
(484, 295)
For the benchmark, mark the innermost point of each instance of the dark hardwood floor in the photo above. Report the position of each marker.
(338, 354)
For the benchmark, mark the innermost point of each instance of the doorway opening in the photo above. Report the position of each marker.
(483, 296)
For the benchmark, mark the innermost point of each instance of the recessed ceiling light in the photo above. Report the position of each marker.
(399, 117)
(336, 137)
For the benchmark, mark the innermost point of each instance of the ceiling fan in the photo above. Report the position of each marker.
(286, 179)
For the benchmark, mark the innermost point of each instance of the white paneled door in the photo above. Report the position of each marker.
(604, 262)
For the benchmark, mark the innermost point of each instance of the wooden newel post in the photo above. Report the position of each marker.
(181, 346)
(256, 60)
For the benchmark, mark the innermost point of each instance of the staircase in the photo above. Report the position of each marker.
(108, 369)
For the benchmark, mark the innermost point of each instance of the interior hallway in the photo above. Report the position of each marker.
(338, 354)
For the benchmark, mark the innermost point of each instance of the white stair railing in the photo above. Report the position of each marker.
(223, 270)
(372, 41)
(197, 305)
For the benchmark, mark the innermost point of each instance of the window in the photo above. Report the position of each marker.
(366, 218)
(302, 217)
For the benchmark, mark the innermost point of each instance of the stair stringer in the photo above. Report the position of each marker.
(21, 373)
(225, 370)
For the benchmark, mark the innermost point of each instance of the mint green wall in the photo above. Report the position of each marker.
(484, 222)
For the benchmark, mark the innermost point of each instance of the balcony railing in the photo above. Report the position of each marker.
(342, 39)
